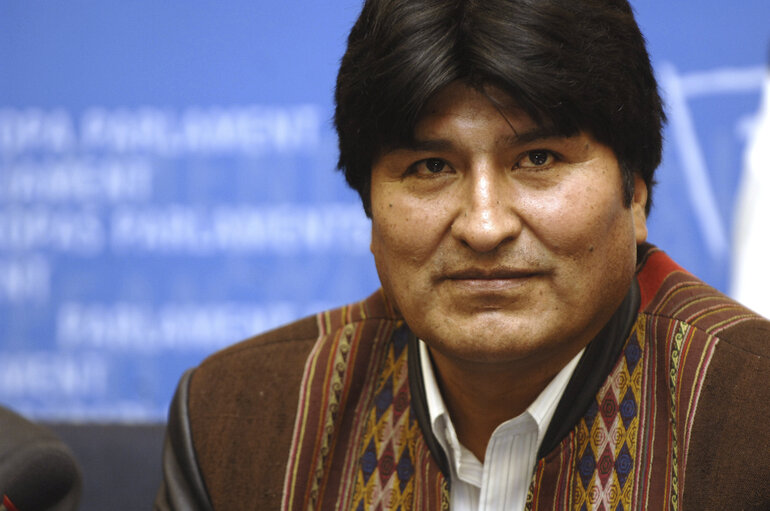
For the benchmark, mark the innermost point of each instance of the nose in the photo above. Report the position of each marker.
(487, 217)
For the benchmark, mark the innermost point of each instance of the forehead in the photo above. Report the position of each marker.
(459, 91)
(459, 106)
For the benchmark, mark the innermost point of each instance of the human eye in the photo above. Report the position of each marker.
(536, 159)
(428, 167)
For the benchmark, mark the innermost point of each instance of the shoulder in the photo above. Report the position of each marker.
(241, 371)
(670, 292)
(273, 361)
(724, 354)
(221, 415)
(242, 403)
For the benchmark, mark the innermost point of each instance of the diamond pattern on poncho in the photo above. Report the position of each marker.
(385, 476)
(606, 438)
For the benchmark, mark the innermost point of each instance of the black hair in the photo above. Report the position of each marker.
(578, 65)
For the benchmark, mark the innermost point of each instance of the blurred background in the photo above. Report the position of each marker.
(167, 187)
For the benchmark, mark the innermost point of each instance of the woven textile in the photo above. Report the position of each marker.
(392, 448)
(357, 444)
(596, 462)
(629, 451)
(354, 426)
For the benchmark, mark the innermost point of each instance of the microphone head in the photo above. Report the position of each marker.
(37, 471)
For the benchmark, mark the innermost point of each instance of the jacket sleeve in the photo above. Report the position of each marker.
(182, 488)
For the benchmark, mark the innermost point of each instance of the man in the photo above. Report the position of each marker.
(527, 349)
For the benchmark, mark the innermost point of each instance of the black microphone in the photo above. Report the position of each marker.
(37, 470)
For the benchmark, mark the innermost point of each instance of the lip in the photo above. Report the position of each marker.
(489, 274)
(496, 279)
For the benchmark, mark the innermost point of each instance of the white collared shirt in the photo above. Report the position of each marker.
(502, 481)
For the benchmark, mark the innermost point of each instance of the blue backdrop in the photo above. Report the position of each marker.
(167, 181)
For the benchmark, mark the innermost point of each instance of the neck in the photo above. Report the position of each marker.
(480, 397)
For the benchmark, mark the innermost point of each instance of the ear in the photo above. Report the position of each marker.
(638, 205)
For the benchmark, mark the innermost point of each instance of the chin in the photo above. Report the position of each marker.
(489, 344)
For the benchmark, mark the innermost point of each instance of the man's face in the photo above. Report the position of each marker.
(497, 240)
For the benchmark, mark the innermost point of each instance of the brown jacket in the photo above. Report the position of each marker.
(698, 437)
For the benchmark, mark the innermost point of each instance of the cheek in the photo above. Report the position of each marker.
(402, 258)
(580, 221)
(405, 232)
(392, 236)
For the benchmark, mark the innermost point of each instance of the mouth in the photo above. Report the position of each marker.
(490, 274)
(494, 279)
